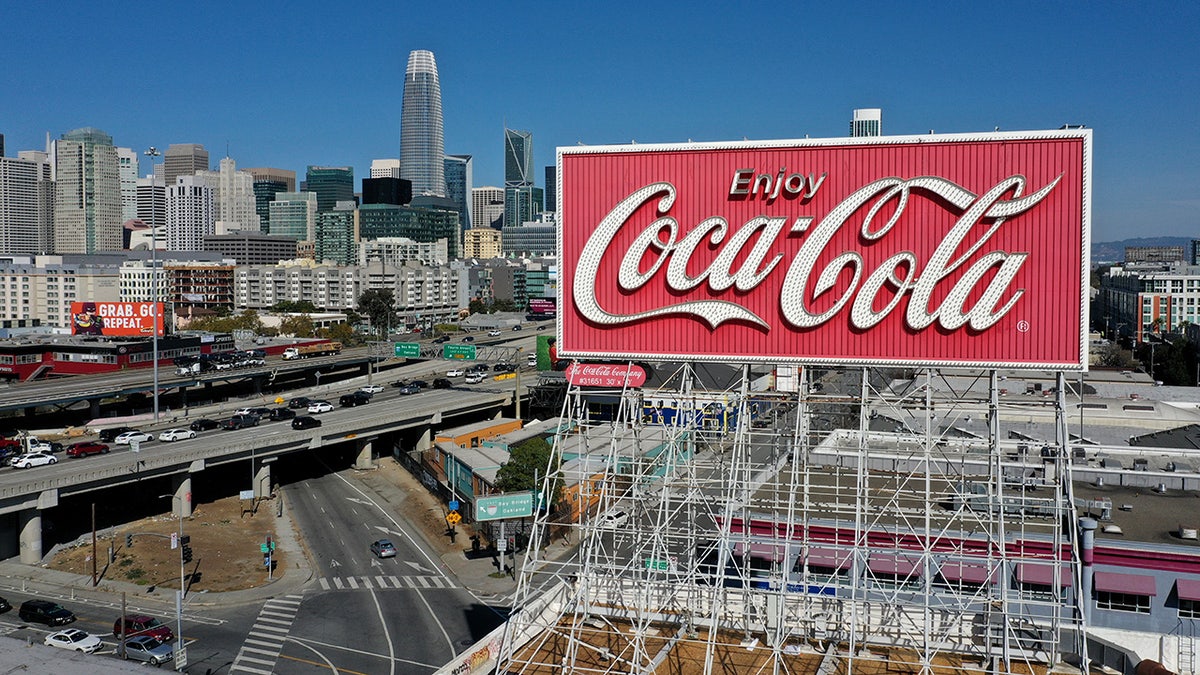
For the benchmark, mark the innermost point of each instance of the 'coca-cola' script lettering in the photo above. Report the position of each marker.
(899, 272)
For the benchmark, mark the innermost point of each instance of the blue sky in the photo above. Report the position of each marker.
(293, 84)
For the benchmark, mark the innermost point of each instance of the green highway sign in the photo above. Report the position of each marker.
(407, 350)
(458, 352)
(658, 565)
(498, 507)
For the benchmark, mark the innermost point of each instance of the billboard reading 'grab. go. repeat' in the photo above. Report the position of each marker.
(937, 250)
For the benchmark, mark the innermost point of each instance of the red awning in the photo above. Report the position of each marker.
(1188, 589)
(762, 550)
(1130, 584)
(970, 573)
(895, 565)
(1042, 574)
(829, 557)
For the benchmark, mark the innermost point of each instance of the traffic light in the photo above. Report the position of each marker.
(129, 541)
(186, 552)
(185, 540)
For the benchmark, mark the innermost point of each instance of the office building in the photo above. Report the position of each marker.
(191, 213)
(529, 239)
(385, 168)
(249, 248)
(267, 183)
(336, 239)
(331, 184)
(399, 250)
(522, 204)
(127, 170)
(1154, 254)
(42, 288)
(551, 188)
(482, 243)
(152, 202)
(183, 159)
(487, 207)
(459, 170)
(867, 122)
(422, 146)
(87, 193)
(518, 158)
(419, 224)
(26, 205)
(233, 198)
(394, 191)
(294, 215)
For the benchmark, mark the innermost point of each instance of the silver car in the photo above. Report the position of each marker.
(147, 648)
(383, 548)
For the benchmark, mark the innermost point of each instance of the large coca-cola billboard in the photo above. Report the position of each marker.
(938, 250)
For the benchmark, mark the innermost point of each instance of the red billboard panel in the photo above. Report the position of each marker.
(116, 318)
(937, 250)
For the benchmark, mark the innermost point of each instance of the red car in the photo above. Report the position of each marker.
(85, 448)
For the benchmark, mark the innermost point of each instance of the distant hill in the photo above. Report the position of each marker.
(1114, 251)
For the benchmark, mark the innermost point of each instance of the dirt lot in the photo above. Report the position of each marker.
(225, 545)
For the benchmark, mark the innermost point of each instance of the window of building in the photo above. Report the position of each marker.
(1124, 592)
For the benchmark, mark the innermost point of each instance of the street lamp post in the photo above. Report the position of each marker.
(152, 152)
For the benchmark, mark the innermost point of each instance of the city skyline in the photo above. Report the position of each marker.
(583, 77)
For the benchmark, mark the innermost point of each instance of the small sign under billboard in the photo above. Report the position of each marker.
(959, 250)
(605, 375)
(116, 318)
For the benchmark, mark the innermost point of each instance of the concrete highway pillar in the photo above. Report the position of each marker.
(365, 451)
(181, 507)
(183, 398)
(262, 482)
(425, 442)
(94, 408)
(31, 536)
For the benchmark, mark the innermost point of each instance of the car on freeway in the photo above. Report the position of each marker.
(110, 434)
(531, 360)
(371, 388)
(257, 412)
(141, 624)
(44, 611)
(517, 327)
(318, 407)
(74, 639)
(456, 372)
(240, 422)
(204, 424)
(306, 423)
(353, 399)
(299, 403)
(493, 333)
(176, 435)
(134, 435)
(409, 389)
(85, 448)
(474, 378)
(30, 459)
(383, 548)
(442, 339)
(399, 383)
(468, 338)
(5, 605)
(613, 519)
(442, 383)
(279, 414)
(148, 649)
(420, 384)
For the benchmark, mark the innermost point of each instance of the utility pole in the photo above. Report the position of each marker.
(95, 579)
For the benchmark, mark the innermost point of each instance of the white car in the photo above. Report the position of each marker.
(474, 378)
(371, 388)
(613, 519)
(457, 372)
(176, 435)
(33, 459)
(493, 333)
(128, 436)
(319, 407)
(73, 638)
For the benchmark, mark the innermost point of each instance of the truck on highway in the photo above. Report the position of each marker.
(316, 349)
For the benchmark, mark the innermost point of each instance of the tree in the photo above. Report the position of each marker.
(526, 463)
(343, 333)
(298, 326)
(289, 307)
(477, 306)
(1111, 355)
(378, 305)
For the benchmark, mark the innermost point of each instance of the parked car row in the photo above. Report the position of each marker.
(145, 638)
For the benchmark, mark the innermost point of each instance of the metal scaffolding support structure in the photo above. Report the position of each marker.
(824, 523)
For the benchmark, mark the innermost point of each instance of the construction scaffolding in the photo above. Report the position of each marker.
(838, 520)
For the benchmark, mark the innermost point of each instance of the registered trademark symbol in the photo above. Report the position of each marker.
(1023, 326)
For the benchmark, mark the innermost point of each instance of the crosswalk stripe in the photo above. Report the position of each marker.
(382, 581)
(264, 643)
(337, 581)
(243, 657)
(286, 615)
(281, 622)
(324, 584)
(250, 670)
(275, 628)
(423, 581)
(260, 651)
(396, 582)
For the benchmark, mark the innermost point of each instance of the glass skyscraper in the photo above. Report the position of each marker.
(518, 158)
(458, 187)
(332, 184)
(422, 146)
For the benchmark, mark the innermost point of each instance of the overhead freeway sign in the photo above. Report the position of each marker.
(498, 507)
(458, 352)
(408, 350)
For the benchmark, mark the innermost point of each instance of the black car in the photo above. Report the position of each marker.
(107, 435)
(442, 383)
(420, 384)
(469, 338)
(440, 340)
(278, 414)
(299, 403)
(44, 611)
(204, 424)
(355, 399)
(4, 605)
(240, 422)
(306, 423)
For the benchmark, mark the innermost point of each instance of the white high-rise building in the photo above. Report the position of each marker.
(152, 201)
(422, 146)
(190, 213)
(26, 204)
(487, 207)
(87, 193)
(867, 122)
(385, 168)
(127, 169)
(233, 198)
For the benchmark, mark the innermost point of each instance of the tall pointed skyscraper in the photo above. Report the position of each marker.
(422, 147)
